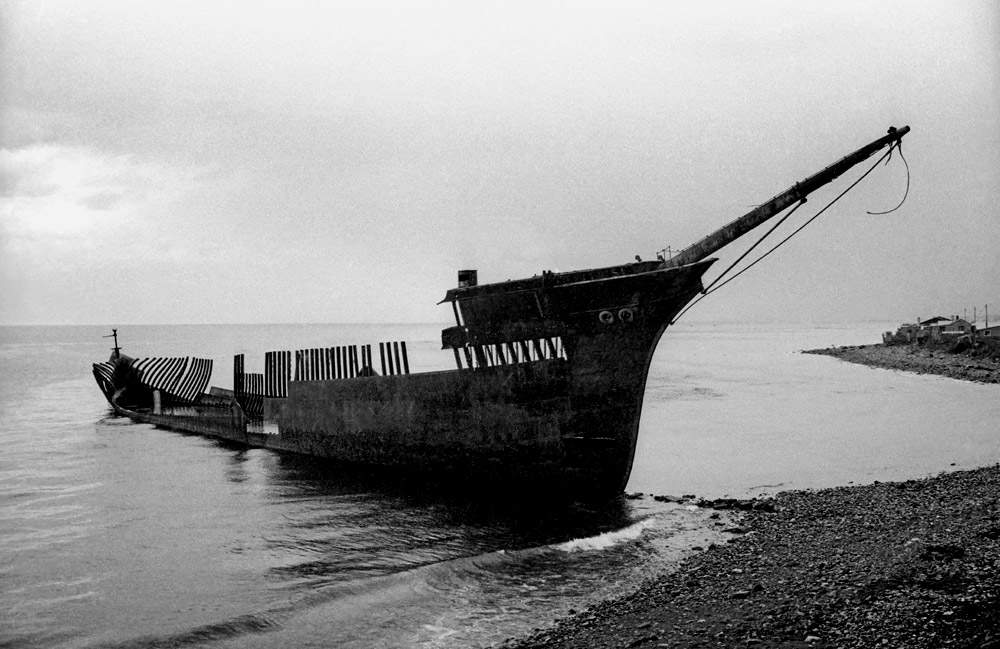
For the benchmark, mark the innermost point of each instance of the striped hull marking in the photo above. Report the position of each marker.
(194, 382)
(160, 373)
(104, 372)
(277, 373)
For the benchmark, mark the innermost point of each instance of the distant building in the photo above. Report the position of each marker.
(943, 329)
(906, 333)
(933, 329)
(991, 332)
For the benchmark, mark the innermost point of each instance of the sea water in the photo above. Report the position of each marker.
(115, 534)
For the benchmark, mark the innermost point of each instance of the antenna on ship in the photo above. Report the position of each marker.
(116, 349)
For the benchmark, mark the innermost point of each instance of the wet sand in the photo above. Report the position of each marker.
(908, 564)
(982, 365)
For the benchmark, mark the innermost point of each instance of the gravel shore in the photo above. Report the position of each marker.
(911, 564)
(982, 364)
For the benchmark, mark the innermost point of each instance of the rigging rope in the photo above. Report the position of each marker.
(899, 146)
(801, 202)
(705, 293)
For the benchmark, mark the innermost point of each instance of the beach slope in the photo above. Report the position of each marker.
(910, 564)
(981, 364)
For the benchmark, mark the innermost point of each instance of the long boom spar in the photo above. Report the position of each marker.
(737, 228)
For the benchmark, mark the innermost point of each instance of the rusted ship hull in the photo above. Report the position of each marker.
(569, 421)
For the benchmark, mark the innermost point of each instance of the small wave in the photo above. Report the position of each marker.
(607, 539)
(253, 623)
(112, 419)
(459, 601)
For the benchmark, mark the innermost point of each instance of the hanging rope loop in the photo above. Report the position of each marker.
(897, 145)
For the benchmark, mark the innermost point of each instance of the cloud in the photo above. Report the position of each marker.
(56, 191)
(40, 170)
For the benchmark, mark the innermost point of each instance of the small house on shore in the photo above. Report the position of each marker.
(944, 329)
(934, 329)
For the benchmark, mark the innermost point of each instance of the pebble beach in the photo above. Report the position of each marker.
(906, 564)
(911, 564)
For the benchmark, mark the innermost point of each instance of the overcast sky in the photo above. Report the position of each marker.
(201, 162)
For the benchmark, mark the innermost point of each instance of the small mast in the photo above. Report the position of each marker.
(116, 350)
(735, 229)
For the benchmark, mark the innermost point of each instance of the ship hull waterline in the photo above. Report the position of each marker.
(567, 424)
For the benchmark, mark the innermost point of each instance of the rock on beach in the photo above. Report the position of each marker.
(907, 564)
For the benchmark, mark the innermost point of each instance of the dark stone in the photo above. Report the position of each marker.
(945, 550)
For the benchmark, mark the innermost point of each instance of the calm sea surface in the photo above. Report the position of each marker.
(114, 534)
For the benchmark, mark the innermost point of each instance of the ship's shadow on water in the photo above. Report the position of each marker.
(307, 552)
(535, 516)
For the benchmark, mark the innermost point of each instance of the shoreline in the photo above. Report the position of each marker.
(981, 365)
(890, 564)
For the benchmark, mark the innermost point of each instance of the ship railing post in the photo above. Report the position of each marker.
(239, 386)
(395, 353)
(269, 373)
(286, 371)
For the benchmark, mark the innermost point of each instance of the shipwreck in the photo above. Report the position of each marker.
(547, 387)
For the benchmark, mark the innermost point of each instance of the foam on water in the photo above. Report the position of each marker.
(607, 539)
